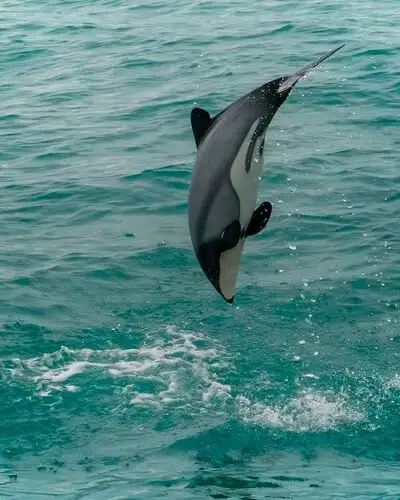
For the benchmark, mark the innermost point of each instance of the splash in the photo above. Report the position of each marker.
(171, 366)
(309, 411)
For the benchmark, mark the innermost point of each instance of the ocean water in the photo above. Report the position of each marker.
(123, 375)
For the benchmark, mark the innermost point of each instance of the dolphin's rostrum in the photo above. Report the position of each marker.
(224, 186)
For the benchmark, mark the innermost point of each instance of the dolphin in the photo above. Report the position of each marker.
(225, 181)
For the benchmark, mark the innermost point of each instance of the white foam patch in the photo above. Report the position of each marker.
(309, 411)
(171, 365)
(394, 382)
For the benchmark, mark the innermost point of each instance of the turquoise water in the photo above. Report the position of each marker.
(123, 374)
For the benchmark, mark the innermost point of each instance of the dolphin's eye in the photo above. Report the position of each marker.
(230, 237)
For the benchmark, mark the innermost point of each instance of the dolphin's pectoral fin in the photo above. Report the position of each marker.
(201, 122)
(260, 219)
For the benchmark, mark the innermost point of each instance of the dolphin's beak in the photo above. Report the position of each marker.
(229, 262)
(291, 81)
(222, 268)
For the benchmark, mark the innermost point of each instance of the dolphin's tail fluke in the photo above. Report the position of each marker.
(292, 80)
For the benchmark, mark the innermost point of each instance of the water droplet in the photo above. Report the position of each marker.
(292, 247)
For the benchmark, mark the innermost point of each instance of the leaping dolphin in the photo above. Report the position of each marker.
(225, 181)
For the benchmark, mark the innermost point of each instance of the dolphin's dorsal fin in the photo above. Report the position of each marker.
(201, 122)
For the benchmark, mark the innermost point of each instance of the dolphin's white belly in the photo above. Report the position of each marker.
(246, 184)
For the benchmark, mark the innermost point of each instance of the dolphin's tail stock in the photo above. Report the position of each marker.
(291, 81)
